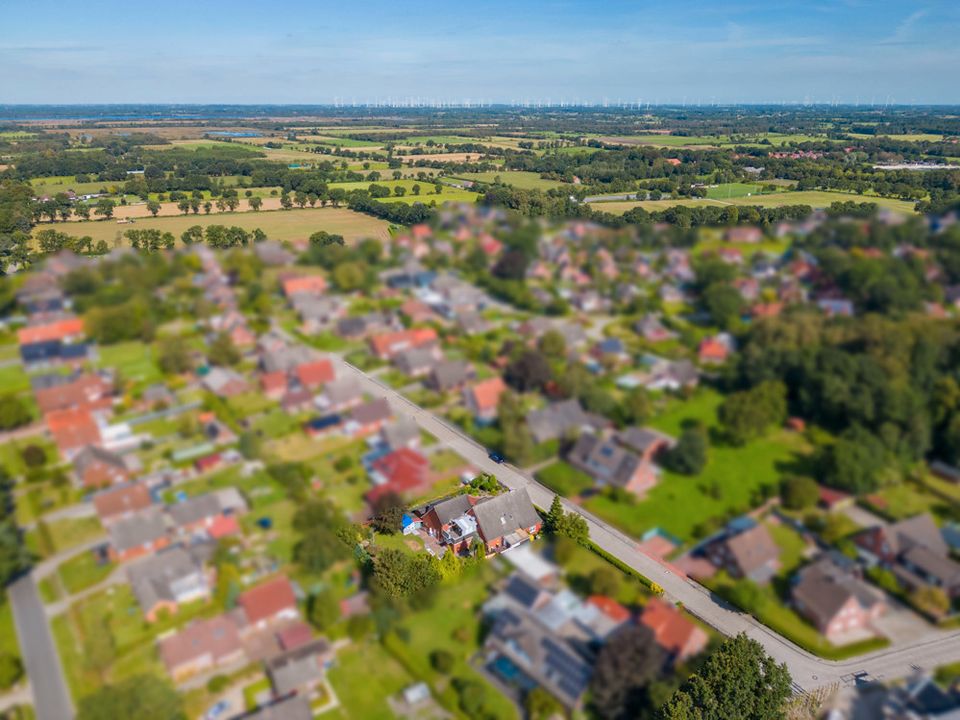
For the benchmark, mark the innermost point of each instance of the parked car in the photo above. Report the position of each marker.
(496, 457)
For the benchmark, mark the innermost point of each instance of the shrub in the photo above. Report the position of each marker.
(442, 661)
(217, 684)
(34, 456)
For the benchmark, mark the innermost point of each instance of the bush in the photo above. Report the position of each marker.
(11, 670)
(34, 456)
(799, 493)
(217, 684)
(359, 626)
(442, 661)
(343, 463)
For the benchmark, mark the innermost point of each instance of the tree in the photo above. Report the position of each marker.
(724, 303)
(222, 351)
(746, 415)
(799, 493)
(13, 412)
(82, 210)
(554, 515)
(34, 456)
(442, 661)
(184, 205)
(11, 670)
(322, 238)
(689, 455)
(553, 345)
(104, 207)
(512, 265)
(541, 705)
(388, 510)
(931, 599)
(854, 462)
(318, 549)
(145, 697)
(636, 408)
(738, 680)
(604, 581)
(173, 356)
(625, 667)
(192, 235)
(324, 610)
(154, 207)
(574, 526)
(255, 203)
(349, 276)
(531, 371)
(401, 575)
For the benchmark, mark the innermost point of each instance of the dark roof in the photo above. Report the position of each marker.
(450, 373)
(642, 439)
(146, 526)
(556, 420)
(195, 509)
(92, 454)
(522, 590)
(823, 588)
(372, 411)
(604, 460)
(451, 508)
(504, 514)
(298, 668)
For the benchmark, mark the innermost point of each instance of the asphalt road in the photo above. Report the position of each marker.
(926, 652)
(51, 698)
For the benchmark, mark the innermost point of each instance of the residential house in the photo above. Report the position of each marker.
(224, 382)
(483, 398)
(201, 647)
(449, 375)
(663, 374)
(834, 599)
(611, 464)
(318, 313)
(744, 234)
(451, 522)
(402, 432)
(313, 375)
(167, 580)
(303, 285)
(746, 550)
(506, 520)
(139, 534)
(368, 418)
(418, 361)
(402, 471)
(677, 634)
(299, 670)
(194, 515)
(97, 468)
(914, 549)
(715, 349)
(271, 252)
(560, 419)
(353, 328)
(269, 603)
(88, 390)
(122, 501)
(340, 395)
(274, 384)
(297, 401)
(386, 345)
(73, 430)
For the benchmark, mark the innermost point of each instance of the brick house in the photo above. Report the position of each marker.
(269, 603)
(834, 599)
(483, 398)
(679, 636)
(98, 468)
(506, 520)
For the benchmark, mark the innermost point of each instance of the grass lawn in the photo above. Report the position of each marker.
(63, 534)
(517, 178)
(564, 479)
(13, 379)
(446, 461)
(453, 624)
(41, 498)
(813, 198)
(11, 453)
(8, 636)
(83, 571)
(277, 224)
(726, 191)
(364, 676)
(906, 500)
(134, 360)
(726, 487)
(791, 546)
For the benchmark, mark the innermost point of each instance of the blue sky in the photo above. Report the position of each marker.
(208, 51)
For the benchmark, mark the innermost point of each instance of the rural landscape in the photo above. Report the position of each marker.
(475, 410)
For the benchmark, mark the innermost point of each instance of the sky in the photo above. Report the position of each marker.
(547, 51)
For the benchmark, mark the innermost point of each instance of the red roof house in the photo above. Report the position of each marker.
(270, 602)
(121, 501)
(386, 345)
(69, 329)
(306, 284)
(713, 350)
(274, 384)
(314, 374)
(72, 430)
(483, 398)
(401, 471)
(676, 634)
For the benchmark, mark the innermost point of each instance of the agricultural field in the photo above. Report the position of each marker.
(517, 178)
(291, 225)
(813, 198)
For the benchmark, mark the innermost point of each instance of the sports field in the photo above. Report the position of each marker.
(278, 225)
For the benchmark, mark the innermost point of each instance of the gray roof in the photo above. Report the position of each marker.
(556, 420)
(604, 460)
(504, 514)
(164, 577)
(417, 358)
(642, 439)
(273, 253)
(400, 432)
(823, 588)
(195, 509)
(917, 530)
(342, 390)
(295, 707)
(144, 527)
(311, 307)
(932, 567)
(448, 374)
(286, 358)
(371, 412)
(298, 668)
(219, 377)
(92, 454)
(451, 508)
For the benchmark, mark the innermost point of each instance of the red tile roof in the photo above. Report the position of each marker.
(712, 349)
(59, 330)
(129, 498)
(486, 394)
(295, 635)
(315, 373)
(223, 526)
(610, 607)
(73, 428)
(404, 470)
(86, 390)
(671, 630)
(268, 600)
(386, 344)
(272, 381)
(315, 284)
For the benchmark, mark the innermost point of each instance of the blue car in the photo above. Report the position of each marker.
(217, 710)
(496, 457)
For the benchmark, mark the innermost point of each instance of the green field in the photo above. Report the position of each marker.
(517, 178)
(727, 486)
(726, 191)
(278, 225)
(813, 198)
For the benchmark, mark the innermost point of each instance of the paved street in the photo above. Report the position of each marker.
(51, 698)
(808, 671)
